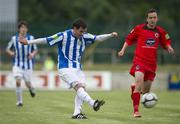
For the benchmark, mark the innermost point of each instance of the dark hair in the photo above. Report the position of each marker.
(79, 22)
(150, 11)
(22, 23)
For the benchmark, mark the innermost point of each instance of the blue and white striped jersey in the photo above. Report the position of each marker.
(70, 48)
(21, 52)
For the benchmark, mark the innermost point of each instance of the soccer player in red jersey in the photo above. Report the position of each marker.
(147, 37)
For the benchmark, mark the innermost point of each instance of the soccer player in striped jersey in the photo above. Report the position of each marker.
(71, 45)
(23, 57)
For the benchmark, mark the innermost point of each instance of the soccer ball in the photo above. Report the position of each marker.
(149, 100)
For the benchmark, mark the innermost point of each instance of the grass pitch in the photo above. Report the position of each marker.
(56, 107)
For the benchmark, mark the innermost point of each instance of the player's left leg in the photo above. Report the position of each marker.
(146, 86)
(31, 89)
(27, 78)
(83, 95)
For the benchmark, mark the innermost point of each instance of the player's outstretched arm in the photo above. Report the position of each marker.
(24, 41)
(122, 51)
(104, 37)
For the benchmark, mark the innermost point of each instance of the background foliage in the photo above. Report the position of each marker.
(48, 17)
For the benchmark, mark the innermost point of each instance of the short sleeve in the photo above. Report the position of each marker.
(89, 38)
(10, 44)
(164, 38)
(34, 47)
(52, 40)
(132, 36)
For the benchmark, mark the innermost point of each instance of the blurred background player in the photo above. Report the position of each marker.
(147, 37)
(49, 64)
(71, 45)
(23, 56)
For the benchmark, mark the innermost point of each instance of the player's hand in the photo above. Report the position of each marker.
(115, 34)
(23, 40)
(31, 55)
(170, 50)
(12, 54)
(121, 53)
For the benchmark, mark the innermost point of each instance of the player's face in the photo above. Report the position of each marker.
(152, 19)
(79, 32)
(23, 30)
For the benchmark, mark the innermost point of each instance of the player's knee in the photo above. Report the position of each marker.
(139, 80)
(78, 85)
(18, 83)
(28, 84)
(145, 91)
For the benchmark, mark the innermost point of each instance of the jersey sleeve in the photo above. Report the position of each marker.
(34, 47)
(164, 38)
(132, 36)
(10, 45)
(89, 38)
(52, 40)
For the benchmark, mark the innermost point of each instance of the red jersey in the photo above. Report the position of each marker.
(147, 41)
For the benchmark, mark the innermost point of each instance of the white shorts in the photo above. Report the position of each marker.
(72, 76)
(22, 74)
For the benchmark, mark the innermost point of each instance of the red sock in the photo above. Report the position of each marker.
(132, 90)
(136, 99)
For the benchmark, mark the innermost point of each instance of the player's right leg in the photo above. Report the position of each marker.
(17, 73)
(132, 88)
(77, 105)
(19, 102)
(139, 79)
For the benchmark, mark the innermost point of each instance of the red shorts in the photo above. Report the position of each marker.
(149, 73)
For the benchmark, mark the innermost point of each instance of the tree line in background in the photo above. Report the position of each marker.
(50, 16)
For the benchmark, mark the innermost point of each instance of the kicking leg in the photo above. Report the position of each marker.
(146, 86)
(82, 94)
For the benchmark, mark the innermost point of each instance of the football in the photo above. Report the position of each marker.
(149, 100)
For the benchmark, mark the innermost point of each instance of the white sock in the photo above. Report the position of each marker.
(77, 105)
(19, 94)
(83, 95)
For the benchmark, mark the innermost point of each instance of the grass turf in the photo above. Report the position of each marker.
(56, 107)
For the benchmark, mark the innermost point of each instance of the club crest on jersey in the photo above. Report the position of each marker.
(167, 37)
(150, 42)
(137, 67)
(156, 35)
(55, 36)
